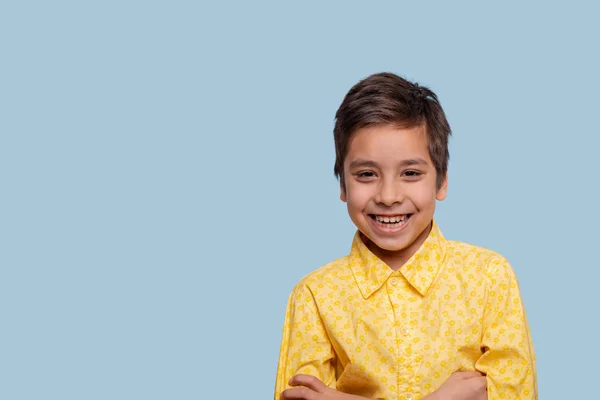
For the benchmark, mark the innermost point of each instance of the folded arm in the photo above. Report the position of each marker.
(305, 346)
(508, 359)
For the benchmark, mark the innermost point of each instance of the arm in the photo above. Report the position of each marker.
(459, 386)
(305, 346)
(466, 385)
(508, 360)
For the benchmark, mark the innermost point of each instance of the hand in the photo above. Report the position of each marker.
(461, 386)
(307, 387)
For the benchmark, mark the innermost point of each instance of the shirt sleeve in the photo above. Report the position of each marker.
(508, 359)
(305, 345)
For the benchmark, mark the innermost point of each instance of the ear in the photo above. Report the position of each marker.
(443, 190)
(342, 193)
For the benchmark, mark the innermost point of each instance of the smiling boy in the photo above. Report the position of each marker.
(407, 314)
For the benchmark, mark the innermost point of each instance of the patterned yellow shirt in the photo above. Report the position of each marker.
(365, 329)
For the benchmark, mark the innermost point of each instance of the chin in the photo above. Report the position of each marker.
(387, 246)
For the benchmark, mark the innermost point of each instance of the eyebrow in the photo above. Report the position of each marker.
(360, 163)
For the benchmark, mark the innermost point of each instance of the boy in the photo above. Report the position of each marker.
(407, 314)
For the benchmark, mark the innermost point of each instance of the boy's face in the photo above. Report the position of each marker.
(391, 188)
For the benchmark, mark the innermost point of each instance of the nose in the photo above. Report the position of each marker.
(388, 193)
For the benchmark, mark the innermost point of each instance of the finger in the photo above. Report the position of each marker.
(309, 381)
(298, 393)
(478, 383)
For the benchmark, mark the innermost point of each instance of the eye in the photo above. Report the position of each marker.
(412, 174)
(365, 174)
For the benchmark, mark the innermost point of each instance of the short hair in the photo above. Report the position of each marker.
(386, 98)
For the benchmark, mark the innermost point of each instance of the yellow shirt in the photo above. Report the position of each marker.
(365, 329)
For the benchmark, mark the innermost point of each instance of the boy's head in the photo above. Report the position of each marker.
(391, 140)
(386, 98)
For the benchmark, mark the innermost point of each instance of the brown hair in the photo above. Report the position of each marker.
(386, 98)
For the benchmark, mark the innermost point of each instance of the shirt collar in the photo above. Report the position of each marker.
(420, 270)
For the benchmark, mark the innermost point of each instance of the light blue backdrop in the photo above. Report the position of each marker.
(166, 178)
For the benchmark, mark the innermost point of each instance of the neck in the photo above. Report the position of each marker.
(395, 259)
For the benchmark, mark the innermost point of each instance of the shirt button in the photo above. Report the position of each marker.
(409, 397)
(394, 281)
(405, 331)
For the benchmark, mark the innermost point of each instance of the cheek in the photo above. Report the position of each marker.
(424, 198)
(357, 196)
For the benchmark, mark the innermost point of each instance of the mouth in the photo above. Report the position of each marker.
(390, 222)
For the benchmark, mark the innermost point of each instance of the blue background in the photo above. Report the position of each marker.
(167, 177)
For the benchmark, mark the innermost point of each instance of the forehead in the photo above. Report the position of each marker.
(383, 143)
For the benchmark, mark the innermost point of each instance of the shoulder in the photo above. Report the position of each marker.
(491, 263)
(331, 274)
(333, 271)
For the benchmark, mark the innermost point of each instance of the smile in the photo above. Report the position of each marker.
(390, 222)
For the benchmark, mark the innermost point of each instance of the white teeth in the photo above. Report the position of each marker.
(391, 220)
